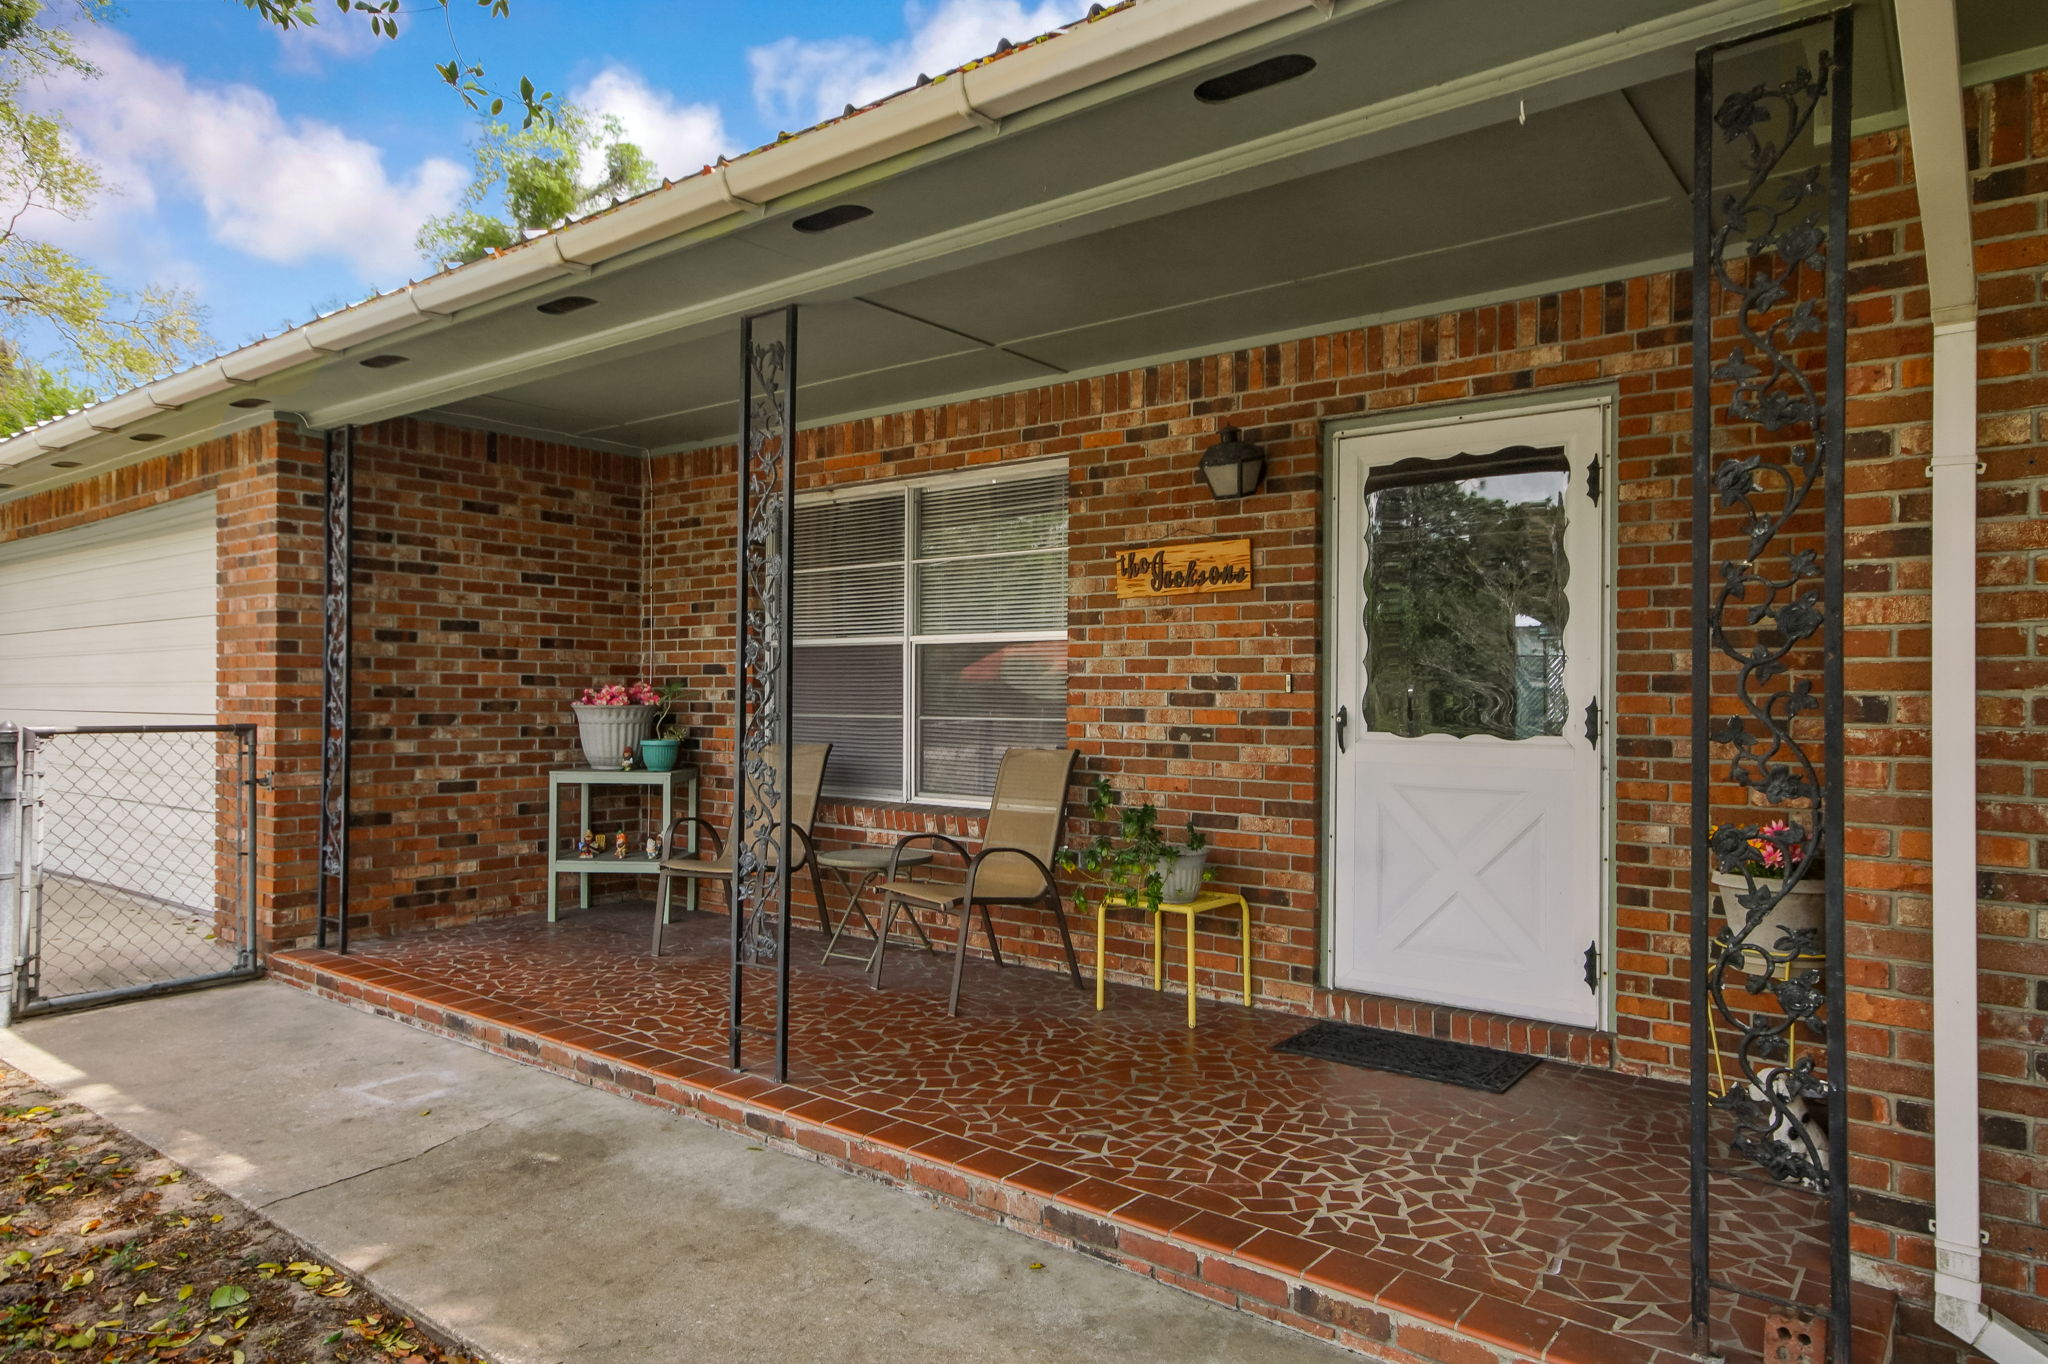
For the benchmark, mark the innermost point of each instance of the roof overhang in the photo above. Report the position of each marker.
(1065, 210)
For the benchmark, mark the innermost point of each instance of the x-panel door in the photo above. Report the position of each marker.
(1468, 653)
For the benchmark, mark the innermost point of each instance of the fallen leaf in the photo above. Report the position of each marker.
(228, 1295)
(1036, 1265)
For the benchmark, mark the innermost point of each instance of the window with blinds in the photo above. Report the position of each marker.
(931, 631)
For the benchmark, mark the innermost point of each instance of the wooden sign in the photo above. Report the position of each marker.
(1176, 570)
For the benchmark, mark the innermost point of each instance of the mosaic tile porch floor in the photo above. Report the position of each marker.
(1550, 1218)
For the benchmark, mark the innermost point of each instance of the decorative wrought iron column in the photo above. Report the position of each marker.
(762, 622)
(1769, 1052)
(336, 613)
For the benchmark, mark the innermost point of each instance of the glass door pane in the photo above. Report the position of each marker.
(1465, 611)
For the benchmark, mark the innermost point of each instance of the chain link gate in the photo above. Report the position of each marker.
(137, 862)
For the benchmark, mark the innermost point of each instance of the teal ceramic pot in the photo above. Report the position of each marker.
(659, 755)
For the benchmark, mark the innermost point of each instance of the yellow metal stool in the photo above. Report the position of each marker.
(1208, 902)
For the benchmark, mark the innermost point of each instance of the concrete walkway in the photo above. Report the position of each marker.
(535, 1220)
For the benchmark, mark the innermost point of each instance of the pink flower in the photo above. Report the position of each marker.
(620, 694)
(1770, 849)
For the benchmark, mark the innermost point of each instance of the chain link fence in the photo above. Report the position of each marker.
(137, 861)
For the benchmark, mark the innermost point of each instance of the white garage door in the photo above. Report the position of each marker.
(113, 624)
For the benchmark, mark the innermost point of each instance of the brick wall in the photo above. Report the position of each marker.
(1888, 873)
(495, 578)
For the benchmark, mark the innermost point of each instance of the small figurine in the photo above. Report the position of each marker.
(586, 846)
(626, 759)
(653, 847)
(619, 845)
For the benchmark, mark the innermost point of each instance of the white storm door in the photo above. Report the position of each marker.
(1469, 642)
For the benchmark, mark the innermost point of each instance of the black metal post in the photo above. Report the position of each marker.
(1833, 794)
(1776, 246)
(336, 658)
(1701, 1032)
(762, 724)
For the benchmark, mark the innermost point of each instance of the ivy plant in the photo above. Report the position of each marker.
(1126, 866)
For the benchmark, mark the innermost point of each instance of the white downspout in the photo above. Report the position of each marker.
(1934, 105)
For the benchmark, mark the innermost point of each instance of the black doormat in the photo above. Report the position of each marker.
(1425, 1058)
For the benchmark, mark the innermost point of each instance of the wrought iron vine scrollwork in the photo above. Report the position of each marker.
(1769, 250)
(1773, 227)
(763, 465)
(761, 852)
(336, 615)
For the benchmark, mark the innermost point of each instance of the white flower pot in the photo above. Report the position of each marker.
(608, 731)
(1181, 876)
(1804, 907)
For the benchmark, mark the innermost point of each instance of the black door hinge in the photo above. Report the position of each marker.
(1593, 480)
(1593, 722)
(1593, 967)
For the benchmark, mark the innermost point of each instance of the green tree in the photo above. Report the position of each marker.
(465, 78)
(533, 179)
(30, 394)
(48, 295)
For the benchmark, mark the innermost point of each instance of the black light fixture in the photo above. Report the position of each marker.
(1233, 466)
(382, 361)
(250, 402)
(567, 303)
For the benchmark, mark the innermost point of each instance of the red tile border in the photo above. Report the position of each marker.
(1363, 1303)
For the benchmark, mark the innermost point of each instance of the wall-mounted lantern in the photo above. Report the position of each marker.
(1233, 467)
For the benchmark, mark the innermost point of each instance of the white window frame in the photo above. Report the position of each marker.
(908, 638)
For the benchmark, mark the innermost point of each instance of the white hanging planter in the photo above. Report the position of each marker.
(1181, 877)
(1802, 907)
(608, 732)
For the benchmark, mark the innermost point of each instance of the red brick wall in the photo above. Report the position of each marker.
(1887, 676)
(495, 578)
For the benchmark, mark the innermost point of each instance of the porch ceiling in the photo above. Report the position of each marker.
(1124, 223)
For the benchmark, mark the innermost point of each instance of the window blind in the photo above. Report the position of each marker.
(931, 632)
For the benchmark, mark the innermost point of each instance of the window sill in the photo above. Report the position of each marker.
(900, 817)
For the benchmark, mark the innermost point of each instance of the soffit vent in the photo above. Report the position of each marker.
(1247, 79)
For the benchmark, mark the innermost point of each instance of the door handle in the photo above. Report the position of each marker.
(1343, 718)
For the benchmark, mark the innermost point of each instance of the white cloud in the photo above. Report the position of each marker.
(682, 138)
(306, 48)
(798, 82)
(281, 190)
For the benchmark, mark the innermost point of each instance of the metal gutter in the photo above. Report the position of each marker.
(976, 98)
(1934, 105)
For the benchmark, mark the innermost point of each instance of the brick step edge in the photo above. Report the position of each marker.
(1411, 1318)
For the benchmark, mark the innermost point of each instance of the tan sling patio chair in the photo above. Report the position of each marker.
(1014, 866)
(808, 760)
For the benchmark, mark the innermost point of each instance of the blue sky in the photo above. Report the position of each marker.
(275, 175)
